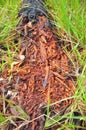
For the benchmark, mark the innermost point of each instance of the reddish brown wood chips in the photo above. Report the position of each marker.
(40, 74)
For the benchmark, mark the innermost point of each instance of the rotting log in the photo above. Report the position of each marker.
(41, 70)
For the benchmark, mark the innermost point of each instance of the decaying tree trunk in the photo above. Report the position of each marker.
(42, 69)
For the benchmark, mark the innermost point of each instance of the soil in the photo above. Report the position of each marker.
(40, 74)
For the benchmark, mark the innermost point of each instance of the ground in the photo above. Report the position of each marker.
(39, 81)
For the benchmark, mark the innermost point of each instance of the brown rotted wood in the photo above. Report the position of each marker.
(42, 73)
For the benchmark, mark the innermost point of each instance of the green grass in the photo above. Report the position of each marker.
(8, 21)
(70, 18)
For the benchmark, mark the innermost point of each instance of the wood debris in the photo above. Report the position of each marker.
(41, 73)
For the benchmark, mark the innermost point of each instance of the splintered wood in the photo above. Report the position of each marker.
(40, 73)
